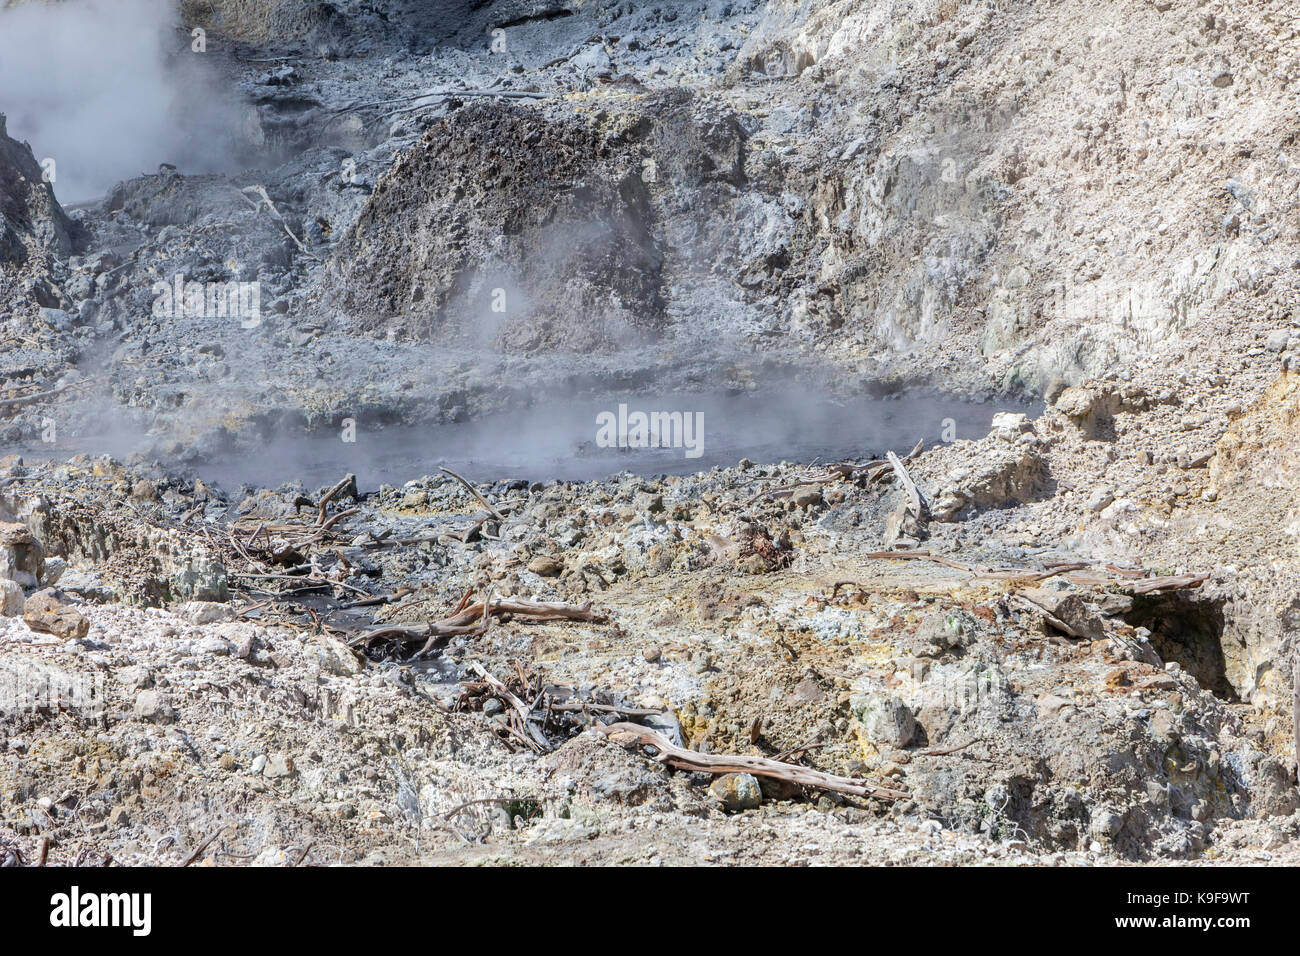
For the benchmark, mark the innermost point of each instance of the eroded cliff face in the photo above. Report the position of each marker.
(34, 230)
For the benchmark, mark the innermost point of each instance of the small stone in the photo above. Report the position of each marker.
(215, 646)
(1107, 823)
(1010, 425)
(258, 764)
(335, 657)
(1051, 705)
(648, 503)
(809, 496)
(885, 719)
(44, 612)
(207, 612)
(1164, 725)
(278, 765)
(154, 707)
(135, 677)
(1222, 79)
(1100, 500)
(54, 569)
(11, 598)
(546, 566)
(737, 791)
(652, 653)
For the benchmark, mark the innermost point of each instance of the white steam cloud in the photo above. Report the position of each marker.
(108, 89)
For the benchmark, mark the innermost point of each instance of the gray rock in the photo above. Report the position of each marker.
(11, 598)
(278, 765)
(207, 612)
(807, 497)
(22, 559)
(202, 578)
(215, 646)
(155, 707)
(57, 319)
(885, 719)
(335, 657)
(737, 792)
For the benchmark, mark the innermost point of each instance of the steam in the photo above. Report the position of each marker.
(108, 89)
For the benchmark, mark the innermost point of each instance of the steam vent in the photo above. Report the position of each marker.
(650, 432)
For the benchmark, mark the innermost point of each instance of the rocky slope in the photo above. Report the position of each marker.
(461, 208)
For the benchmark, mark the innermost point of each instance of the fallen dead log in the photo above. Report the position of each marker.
(1177, 582)
(474, 618)
(29, 399)
(915, 502)
(630, 735)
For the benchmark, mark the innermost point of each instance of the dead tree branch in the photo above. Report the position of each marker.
(635, 735)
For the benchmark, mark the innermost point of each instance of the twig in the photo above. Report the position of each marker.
(260, 191)
(538, 739)
(333, 493)
(918, 556)
(947, 750)
(474, 491)
(198, 852)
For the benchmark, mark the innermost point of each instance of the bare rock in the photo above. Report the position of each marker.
(737, 792)
(22, 559)
(11, 598)
(546, 566)
(885, 719)
(155, 707)
(44, 612)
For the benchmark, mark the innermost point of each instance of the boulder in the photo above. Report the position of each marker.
(45, 612)
(737, 791)
(886, 721)
(11, 598)
(22, 559)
